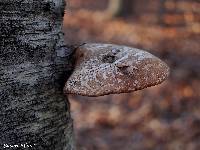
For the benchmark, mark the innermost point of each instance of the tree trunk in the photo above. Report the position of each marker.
(118, 8)
(34, 65)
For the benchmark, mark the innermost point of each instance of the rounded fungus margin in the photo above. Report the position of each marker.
(103, 69)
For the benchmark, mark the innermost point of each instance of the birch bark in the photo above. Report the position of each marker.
(34, 65)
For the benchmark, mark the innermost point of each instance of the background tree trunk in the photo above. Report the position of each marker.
(120, 7)
(34, 65)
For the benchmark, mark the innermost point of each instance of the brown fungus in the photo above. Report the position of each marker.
(103, 69)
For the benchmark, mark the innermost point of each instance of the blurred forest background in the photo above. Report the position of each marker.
(165, 117)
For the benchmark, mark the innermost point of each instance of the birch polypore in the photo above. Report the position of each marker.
(103, 69)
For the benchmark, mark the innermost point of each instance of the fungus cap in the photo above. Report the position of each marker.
(103, 69)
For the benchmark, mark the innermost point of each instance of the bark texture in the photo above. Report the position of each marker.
(34, 64)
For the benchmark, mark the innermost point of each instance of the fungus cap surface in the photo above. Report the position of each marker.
(103, 69)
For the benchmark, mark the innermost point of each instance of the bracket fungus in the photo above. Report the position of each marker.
(103, 69)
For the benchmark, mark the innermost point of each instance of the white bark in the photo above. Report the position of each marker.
(34, 64)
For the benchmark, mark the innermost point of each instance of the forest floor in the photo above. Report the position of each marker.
(165, 117)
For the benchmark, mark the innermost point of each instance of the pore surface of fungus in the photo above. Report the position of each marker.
(103, 69)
